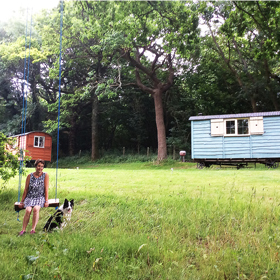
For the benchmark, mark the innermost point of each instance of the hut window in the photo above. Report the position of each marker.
(230, 127)
(242, 126)
(39, 141)
(237, 127)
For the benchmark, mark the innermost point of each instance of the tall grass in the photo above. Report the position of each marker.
(85, 159)
(144, 221)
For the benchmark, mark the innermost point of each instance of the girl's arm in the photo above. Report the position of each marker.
(46, 190)
(25, 189)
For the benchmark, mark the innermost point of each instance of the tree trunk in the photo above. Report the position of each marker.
(72, 135)
(253, 104)
(162, 148)
(94, 132)
(156, 91)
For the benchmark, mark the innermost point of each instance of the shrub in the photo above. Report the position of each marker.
(9, 163)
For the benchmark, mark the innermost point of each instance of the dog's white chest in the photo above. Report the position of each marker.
(66, 219)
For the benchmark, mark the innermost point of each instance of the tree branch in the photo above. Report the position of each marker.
(250, 15)
(141, 85)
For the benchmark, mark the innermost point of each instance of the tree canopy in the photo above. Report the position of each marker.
(134, 71)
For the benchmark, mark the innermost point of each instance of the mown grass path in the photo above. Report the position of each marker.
(142, 221)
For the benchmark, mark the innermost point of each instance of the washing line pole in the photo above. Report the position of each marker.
(59, 93)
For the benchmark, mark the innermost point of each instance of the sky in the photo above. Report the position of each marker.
(9, 7)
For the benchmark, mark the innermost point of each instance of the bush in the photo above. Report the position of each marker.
(9, 163)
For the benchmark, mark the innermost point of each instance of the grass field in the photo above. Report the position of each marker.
(145, 221)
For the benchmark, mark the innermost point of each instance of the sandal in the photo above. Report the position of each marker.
(32, 231)
(22, 233)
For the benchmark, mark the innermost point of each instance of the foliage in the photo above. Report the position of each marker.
(15, 56)
(113, 62)
(246, 37)
(9, 163)
(141, 35)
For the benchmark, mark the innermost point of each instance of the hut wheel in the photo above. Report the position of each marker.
(272, 164)
(201, 165)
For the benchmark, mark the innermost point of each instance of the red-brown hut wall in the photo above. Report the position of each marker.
(34, 147)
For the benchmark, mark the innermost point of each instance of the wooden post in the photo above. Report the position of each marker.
(148, 151)
(123, 150)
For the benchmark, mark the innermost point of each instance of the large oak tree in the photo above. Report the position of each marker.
(149, 37)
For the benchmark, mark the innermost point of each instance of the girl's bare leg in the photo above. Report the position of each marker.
(35, 219)
(26, 217)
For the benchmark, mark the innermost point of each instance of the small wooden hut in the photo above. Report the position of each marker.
(35, 144)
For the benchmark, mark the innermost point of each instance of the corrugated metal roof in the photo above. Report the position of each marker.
(26, 133)
(241, 115)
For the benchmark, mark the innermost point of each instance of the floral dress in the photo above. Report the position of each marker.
(36, 191)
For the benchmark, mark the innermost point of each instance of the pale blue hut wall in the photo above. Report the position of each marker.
(268, 144)
(203, 145)
(206, 146)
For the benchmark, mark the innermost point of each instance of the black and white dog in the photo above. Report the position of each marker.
(60, 218)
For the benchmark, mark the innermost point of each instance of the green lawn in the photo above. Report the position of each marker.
(144, 221)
